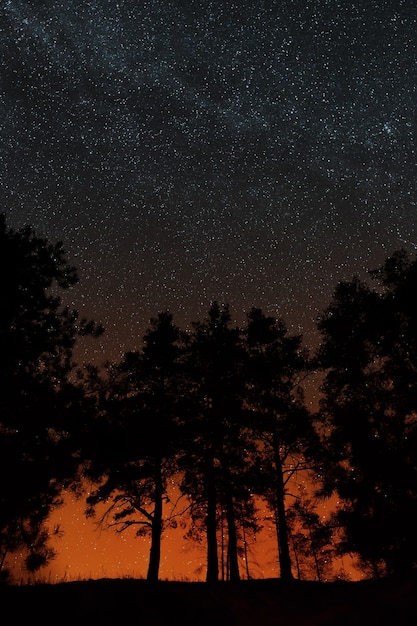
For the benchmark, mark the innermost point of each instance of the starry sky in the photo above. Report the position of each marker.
(251, 152)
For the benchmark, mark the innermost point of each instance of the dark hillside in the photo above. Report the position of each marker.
(249, 603)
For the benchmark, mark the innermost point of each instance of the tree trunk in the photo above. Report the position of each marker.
(297, 561)
(245, 548)
(231, 532)
(315, 554)
(223, 563)
(232, 552)
(211, 525)
(156, 532)
(282, 528)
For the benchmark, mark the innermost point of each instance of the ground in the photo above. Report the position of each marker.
(388, 602)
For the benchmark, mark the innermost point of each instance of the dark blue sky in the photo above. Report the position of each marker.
(249, 152)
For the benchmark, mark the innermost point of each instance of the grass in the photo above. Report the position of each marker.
(271, 602)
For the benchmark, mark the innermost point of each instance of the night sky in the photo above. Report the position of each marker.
(253, 153)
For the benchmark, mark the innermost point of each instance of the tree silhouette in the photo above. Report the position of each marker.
(40, 406)
(133, 439)
(282, 427)
(369, 408)
(217, 450)
(311, 540)
(220, 412)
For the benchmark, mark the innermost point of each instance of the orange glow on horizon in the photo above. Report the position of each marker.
(86, 552)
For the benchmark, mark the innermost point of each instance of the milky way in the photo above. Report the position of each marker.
(249, 152)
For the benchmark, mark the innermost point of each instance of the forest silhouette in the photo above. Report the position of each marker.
(220, 411)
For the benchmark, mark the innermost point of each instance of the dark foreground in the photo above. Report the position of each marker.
(389, 602)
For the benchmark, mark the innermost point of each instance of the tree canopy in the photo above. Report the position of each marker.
(369, 340)
(39, 405)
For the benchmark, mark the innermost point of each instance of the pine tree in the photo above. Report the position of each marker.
(369, 354)
(282, 427)
(133, 441)
(40, 407)
(217, 449)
